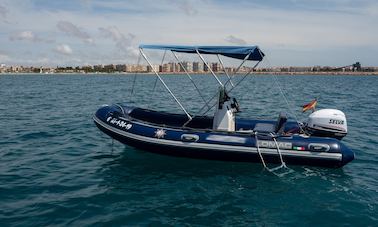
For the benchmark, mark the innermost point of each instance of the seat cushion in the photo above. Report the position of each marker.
(264, 127)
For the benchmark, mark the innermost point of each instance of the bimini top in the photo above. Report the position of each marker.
(239, 52)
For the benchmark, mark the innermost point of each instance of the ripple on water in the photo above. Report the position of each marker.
(57, 168)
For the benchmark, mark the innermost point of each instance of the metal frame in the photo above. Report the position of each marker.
(165, 85)
(190, 78)
(156, 79)
(224, 70)
(215, 76)
(190, 117)
(245, 75)
(238, 68)
(229, 80)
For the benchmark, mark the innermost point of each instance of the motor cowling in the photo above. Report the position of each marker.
(327, 123)
(224, 116)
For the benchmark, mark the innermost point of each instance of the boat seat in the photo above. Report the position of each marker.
(271, 127)
(280, 126)
(264, 127)
(170, 119)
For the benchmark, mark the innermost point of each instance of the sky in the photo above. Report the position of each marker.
(289, 32)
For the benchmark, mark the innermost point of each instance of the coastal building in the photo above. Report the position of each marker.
(197, 67)
(166, 68)
(121, 67)
(229, 70)
(154, 68)
(2, 68)
(137, 68)
(187, 65)
(98, 68)
(205, 68)
(191, 67)
(215, 66)
(109, 68)
(175, 67)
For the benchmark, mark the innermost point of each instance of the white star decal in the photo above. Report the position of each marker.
(160, 133)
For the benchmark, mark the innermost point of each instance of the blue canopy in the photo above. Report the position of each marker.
(239, 52)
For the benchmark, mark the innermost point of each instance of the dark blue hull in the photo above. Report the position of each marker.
(117, 122)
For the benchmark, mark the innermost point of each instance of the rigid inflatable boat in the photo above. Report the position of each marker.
(224, 136)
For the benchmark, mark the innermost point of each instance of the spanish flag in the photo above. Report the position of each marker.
(310, 105)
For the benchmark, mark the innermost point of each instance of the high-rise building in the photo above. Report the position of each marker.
(98, 68)
(197, 67)
(187, 65)
(120, 68)
(215, 66)
(154, 68)
(205, 68)
(166, 68)
(136, 68)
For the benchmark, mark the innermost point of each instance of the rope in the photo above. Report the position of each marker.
(258, 151)
(289, 106)
(283, 164)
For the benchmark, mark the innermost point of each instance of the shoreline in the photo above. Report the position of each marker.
(202, 73)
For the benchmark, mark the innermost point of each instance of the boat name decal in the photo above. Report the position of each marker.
(272, 144)
(120, 123)
(336, 122)
(232, 139)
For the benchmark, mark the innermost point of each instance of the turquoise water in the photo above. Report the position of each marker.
(58, 169)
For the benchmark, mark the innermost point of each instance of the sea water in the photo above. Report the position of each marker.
(58, 169)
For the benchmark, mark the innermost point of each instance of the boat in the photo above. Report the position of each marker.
(224, 136)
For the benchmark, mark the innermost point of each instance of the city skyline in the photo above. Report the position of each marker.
(184, 67)
(90, 32)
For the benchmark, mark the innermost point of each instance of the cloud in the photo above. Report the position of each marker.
(123, 42)
(63, 49)
(188, 7)
(3, 58)
(234, 40)
(3, 12)
(371, 9)
(73, 30)
(28, 36)
(24, 35)
(325, 26)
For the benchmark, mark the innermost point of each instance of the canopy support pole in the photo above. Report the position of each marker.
(229, 80)
(156, 79)
(249, 72)
(224, 69)
(165, 85)
(190, 78)
(215, 76)
(238, 68)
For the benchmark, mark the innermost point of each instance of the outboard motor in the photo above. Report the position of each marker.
(327, 123)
